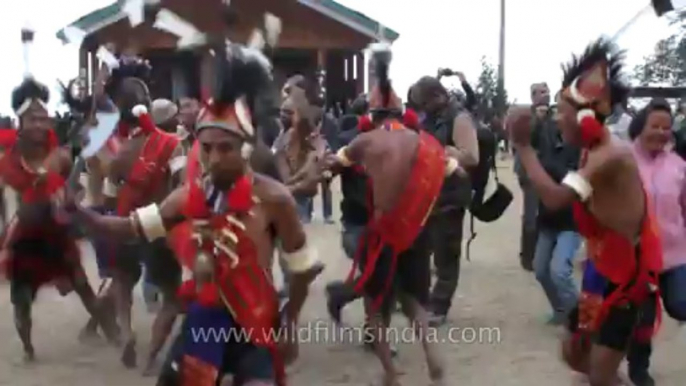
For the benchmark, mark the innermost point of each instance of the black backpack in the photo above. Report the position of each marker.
(486, 209)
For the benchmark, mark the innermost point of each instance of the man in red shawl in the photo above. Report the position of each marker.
(405, 169)
(224, 223)
(142, 165)
(38, 247)
(619, 301)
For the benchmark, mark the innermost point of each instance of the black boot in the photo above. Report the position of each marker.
(339, 294)
(638, 358)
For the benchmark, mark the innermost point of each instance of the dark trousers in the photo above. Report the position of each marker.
(327, 205)
(529, 236)
(445, 231)
(673, 290)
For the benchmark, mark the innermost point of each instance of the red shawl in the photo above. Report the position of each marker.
(399, 228)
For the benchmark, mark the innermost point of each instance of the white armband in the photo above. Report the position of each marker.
(83, 181)
(177, 163)
(578, 184)
(301, 260)
(451, 166)
(151, 223)
(109, 189)
(345, 161)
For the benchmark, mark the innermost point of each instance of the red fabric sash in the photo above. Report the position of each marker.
(244, 287)
(148, 172)
(33, 188)
(399, 228)
(633, 268)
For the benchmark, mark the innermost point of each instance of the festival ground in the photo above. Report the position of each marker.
(496, 334)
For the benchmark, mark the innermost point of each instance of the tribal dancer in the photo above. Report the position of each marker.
(145, 162)
(619, 301)
(37, 244)
(224, 222)
(405, 170)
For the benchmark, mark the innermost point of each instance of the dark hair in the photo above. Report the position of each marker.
(430, 85)
(310, 87)
(29, 89)
(638, 123)
(360, 106)
(600, 50)
(138, 69)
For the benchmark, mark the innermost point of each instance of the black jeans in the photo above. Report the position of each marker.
(673, 290)
(445, 230)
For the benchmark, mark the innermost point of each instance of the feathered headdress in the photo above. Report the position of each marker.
(30, 91)
(240, 74)
(133, 72)
(383, 102)
(593, 83)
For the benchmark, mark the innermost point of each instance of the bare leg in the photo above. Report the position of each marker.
(420, 322)
(382, 349)
(603, 372)
(106, 304)
(123, 288)
(604, 365)
(575, 355)
(161, 328)
(94, 308)
(22, 297)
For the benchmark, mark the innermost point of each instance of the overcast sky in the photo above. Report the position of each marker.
(541, 34)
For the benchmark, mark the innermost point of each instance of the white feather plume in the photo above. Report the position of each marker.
(135, 10)
(105, 56)
(189, 35)
(256, 40)
(273, 27)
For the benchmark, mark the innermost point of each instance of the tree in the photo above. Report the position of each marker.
(490, 102)
(667, 64)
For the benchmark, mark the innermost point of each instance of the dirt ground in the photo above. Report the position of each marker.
(496, 335)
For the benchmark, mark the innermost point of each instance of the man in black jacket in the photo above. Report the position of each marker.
(558, 240)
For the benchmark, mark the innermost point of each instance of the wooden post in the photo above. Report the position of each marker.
(359, 72)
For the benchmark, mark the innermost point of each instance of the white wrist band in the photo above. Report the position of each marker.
(579, 185)
(345, 161)
(301, 260)
(109, 189)
(451, 166)
(151, 222)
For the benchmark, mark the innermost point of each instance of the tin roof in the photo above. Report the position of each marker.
(111, 14)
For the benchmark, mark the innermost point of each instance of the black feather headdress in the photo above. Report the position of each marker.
(28, 90)
(600, 51)
(381, 59)
(128, 68)
(239, 72)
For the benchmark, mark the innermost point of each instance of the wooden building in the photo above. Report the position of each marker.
(321, 39)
